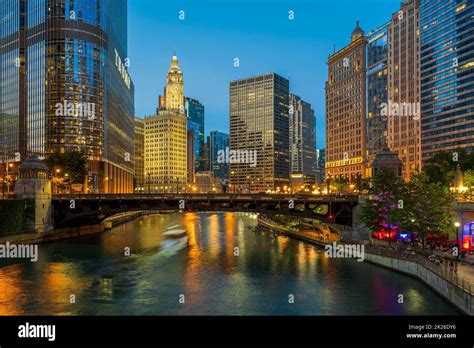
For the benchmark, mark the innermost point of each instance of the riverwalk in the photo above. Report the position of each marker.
(456, 288)
(68, 233)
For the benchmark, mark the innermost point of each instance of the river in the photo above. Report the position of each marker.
(227, 269)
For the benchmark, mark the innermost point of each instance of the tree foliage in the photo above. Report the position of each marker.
(341, 185)
(72, 163)
(381, 212)
(441, 167)
(361, 184)
(419, 205)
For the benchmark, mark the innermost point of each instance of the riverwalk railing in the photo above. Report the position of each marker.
(441, 270)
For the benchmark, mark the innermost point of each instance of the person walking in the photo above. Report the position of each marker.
(456, 268)
(451, 267)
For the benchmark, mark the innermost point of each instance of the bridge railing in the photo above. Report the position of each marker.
(210, 196)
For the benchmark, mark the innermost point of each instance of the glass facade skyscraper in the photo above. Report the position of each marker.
(447, 75)
(65, 85)
(218, 141)
(194, 128)
(377, 71)
(195, 112)
(302, 132)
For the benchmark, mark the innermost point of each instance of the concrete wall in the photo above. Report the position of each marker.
(359, 231)
(458, 297)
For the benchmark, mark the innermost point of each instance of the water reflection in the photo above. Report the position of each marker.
(227, 269)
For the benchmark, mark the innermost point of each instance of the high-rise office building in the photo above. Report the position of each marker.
(321, 159)
(139, 179)
(195, 112)
(206, 163)
(166, 138)
(447, 75)
(65, 86)
(346, 109)
(218, 144)
(403, 107)
(302, 139)
(259, 136)
(377, 89)
(191, 156)
(195, 154)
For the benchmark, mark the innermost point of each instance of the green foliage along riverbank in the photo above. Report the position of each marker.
(12, 217)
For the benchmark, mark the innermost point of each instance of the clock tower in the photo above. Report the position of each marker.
(174, 90)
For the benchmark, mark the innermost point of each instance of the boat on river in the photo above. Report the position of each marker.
(176, 238)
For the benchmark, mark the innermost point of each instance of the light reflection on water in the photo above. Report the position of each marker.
(227, 269)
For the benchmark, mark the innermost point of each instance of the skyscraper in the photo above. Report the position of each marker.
(65, 85)
(346, 109)
(191, 156)
(166, 137)
(403, 107)
(302, 131)
(377, 89)
(195, 154)
(195, 112)
(218, 142)
(259, 136)
(321, 156)
(139, 155)
(447, 72)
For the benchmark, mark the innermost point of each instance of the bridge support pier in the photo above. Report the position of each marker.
(359, 231)
(34, 188)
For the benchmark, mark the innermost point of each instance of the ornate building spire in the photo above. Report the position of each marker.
(357, 33)
(174, 90)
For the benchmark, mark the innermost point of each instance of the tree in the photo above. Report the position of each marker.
(341, 184)
(72, 163)
(469, 183)
(383, 211)
(442, 166)
(361, 184)
(426, 207)
(469, 178)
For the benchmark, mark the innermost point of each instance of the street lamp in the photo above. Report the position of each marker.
(57, 172)
(232, 173)
(9, 166)
(66, 175)
(458, 234)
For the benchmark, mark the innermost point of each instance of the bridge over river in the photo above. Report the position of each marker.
(82, 210)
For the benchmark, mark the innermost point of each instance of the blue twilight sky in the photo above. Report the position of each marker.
(258, 32)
